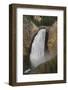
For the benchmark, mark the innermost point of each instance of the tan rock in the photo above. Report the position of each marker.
(52, 39)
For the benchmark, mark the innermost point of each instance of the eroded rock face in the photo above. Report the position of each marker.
(52, 39)
(29, 29)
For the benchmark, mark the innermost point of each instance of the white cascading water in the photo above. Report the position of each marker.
(37, 55)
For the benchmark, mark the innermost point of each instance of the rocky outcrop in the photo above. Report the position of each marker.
(52, 39)
(29, 29)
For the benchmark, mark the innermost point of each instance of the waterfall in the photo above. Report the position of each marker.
(37, 55)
